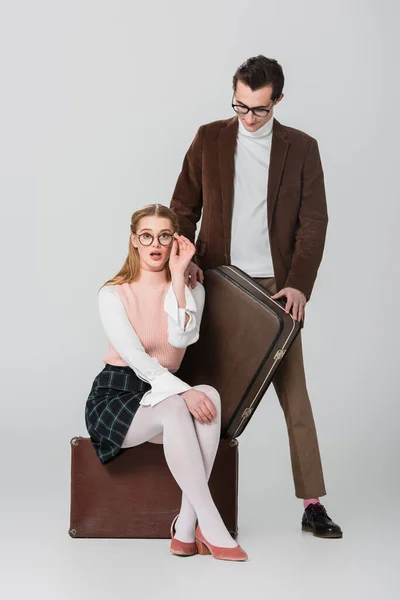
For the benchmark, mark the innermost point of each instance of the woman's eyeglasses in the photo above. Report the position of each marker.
(146, 239)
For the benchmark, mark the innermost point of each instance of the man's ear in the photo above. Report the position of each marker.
(279, 99)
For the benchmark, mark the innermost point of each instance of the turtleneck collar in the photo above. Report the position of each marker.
(153, 278)
(264, 131)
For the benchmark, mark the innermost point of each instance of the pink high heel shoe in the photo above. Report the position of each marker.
(181, 548)
(204, 547)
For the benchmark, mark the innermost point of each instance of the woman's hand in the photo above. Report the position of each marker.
(182, 253)
(200, 406)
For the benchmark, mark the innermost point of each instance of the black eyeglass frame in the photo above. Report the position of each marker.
(247, 109)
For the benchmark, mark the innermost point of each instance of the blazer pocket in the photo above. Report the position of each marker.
(201, 247)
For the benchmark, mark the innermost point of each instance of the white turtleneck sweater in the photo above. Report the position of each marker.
(250, 248)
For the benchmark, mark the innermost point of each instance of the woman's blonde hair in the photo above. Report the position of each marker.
(131, 268)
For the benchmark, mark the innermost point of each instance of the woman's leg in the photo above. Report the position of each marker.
(208, 437)
(172, 418)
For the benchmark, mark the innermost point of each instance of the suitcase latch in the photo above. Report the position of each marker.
(280, 354)
(246, 414)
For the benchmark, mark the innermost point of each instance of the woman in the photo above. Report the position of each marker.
(150, 316)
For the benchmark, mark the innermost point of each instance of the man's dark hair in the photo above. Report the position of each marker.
(258, 71)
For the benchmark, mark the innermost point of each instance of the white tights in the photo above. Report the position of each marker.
(190, 448)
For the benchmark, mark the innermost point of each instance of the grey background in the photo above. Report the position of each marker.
(99, 102)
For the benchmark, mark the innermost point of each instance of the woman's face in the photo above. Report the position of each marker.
(153, 252)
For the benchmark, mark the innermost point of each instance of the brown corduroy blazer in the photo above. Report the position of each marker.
(296, 204)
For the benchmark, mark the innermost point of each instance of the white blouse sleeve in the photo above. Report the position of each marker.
(126, 342)
(179, 335)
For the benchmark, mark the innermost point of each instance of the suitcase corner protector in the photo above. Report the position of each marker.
(73, 533)
(75, 441)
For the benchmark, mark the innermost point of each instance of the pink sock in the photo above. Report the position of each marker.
(309, 501)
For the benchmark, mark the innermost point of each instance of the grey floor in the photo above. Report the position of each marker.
(40, 560)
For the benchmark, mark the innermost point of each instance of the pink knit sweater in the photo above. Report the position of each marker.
(143, 301)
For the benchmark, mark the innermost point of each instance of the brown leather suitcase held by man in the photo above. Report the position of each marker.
(135, 495)
(244, 336)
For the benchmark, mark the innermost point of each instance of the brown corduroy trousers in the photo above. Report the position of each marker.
(290, 386)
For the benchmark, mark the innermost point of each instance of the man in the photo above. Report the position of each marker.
(259, 186)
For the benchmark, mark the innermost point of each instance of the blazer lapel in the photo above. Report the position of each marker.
(227, 148)
(279, 148)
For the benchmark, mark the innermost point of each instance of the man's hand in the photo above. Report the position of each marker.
(200, 406)
(296, 301)
(193, 274)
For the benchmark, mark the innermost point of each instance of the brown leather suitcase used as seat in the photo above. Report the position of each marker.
(244, 337)
(135, 495)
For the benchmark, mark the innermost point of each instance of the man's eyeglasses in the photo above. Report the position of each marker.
(146, 239)
(258, 111)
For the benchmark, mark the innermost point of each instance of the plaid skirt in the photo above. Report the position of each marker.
(112, 403)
